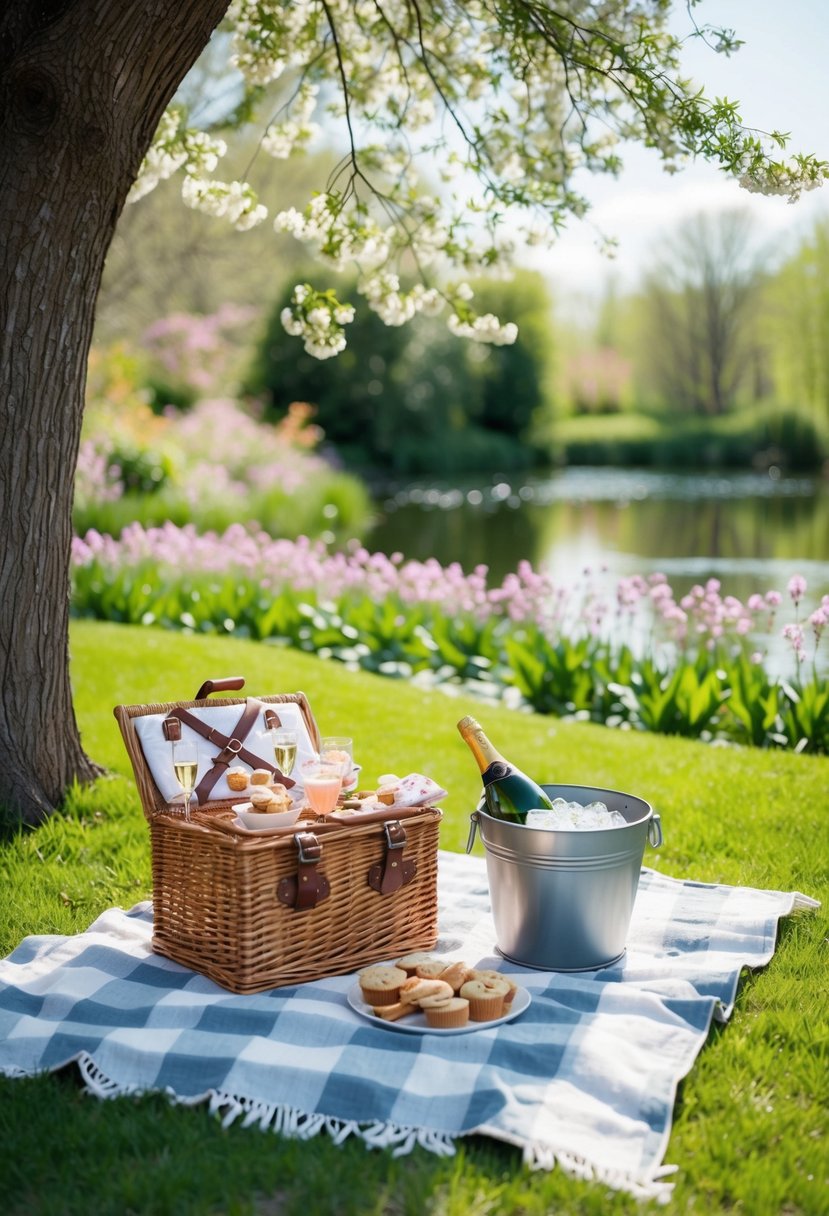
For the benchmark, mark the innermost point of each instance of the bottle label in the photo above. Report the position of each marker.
(495, 772)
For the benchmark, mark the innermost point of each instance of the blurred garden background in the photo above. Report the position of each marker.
(622, 517)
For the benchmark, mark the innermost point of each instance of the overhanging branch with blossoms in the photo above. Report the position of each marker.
(467, 125)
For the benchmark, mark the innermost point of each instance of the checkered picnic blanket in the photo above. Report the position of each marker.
(584, 1078)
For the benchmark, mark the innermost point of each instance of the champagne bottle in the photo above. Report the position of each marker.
(508, 792)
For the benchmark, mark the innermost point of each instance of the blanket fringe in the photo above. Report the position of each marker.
(296, 1124)
(539, 1156)
(284, 1120)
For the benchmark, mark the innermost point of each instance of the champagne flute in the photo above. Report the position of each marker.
(186, 767)
(284, 749)
(322, 783)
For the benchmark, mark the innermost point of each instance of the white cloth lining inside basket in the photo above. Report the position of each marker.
(158, 752)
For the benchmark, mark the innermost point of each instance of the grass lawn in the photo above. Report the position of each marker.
(750, 1131)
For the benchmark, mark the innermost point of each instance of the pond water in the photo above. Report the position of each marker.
(752, 531)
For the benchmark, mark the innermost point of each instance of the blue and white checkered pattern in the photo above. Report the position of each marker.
(585, 1077)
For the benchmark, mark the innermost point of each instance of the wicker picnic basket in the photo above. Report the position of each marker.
(255, 911)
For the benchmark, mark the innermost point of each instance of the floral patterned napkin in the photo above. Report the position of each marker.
(417, 790)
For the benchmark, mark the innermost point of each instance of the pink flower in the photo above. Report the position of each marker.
(797, 587)
(794, 634)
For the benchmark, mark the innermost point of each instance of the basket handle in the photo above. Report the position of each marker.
(228, 684)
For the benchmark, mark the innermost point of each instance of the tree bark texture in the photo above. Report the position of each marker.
(83, 84)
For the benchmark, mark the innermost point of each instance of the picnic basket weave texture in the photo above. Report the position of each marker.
(216, 902)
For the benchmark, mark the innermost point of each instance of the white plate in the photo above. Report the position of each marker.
(415, 1023)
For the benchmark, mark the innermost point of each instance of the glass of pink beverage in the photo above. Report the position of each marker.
(322, 783)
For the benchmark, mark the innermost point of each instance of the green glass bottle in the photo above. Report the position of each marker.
(508, 792)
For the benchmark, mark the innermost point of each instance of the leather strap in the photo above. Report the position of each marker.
(308, 887)
(232, 746)
(395, 870)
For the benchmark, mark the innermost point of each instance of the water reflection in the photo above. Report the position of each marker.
(753, 531)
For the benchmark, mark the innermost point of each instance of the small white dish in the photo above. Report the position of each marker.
(256, 821)
(415, 1023)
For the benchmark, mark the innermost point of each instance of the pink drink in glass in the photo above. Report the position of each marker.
(322, 783)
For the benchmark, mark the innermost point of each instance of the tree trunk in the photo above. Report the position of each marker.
(82, 86)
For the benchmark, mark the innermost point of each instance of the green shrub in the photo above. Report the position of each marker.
(748, 439)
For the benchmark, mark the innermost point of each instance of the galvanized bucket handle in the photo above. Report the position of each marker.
(473, 827)
(655, 831)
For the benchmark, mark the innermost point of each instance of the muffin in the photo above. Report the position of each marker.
(261, 776)
(381, 985)
(486, 998)
(411, 962)
(237, 778)
(487, 973)
(386, 794)
(447, 1015)
(431, 970)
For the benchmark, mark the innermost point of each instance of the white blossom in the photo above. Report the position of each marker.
(493, 109)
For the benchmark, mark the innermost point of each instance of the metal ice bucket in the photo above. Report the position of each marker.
(562, 900)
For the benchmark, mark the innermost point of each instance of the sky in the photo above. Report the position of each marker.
(781, 79)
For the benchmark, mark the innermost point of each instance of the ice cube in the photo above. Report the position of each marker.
(574, 816)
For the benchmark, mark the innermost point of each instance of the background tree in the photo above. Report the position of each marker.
(516, 379)
(412, 399)
(532, 93)
(702, 301)
(799, 304)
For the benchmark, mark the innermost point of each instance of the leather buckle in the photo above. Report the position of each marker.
(308, 887)
(308, 848)
(395, 834)
(395, 870)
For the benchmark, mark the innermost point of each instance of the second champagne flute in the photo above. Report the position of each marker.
(284, 749)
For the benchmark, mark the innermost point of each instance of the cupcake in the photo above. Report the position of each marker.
(261, 776)
(237, 778)
(486, 998)
(386, 794)
(447, 1015)
(381, 985)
